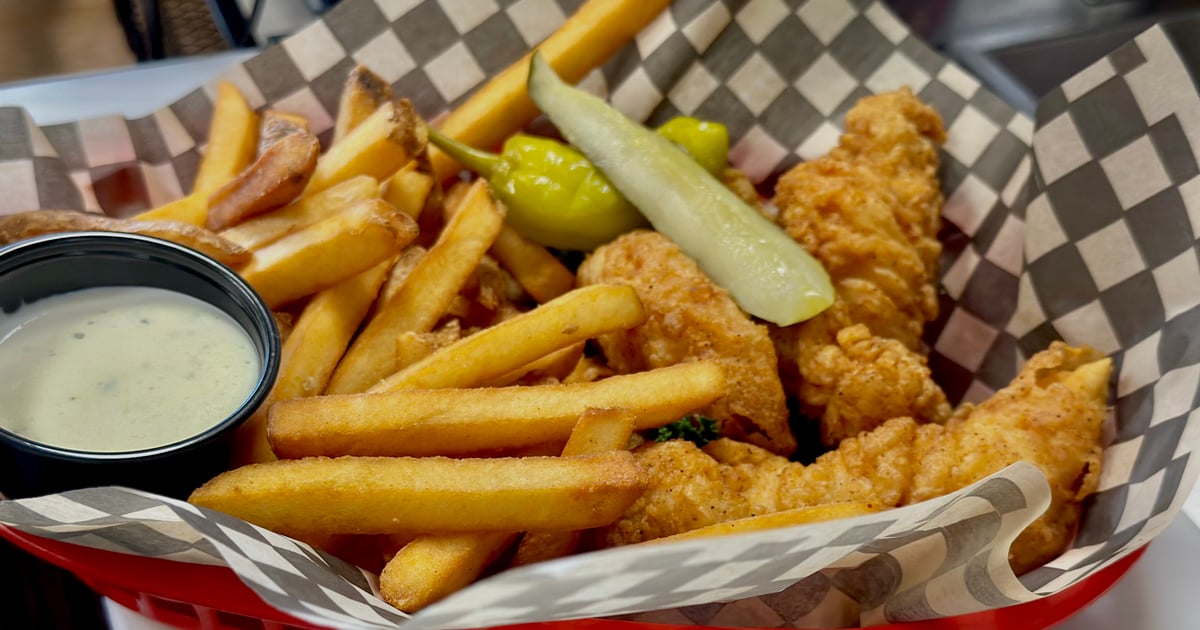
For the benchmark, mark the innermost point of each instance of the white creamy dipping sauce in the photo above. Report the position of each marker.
(115, 369)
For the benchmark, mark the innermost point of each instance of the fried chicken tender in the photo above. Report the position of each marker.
(688, 318)
(1049, 416)
(870, 212)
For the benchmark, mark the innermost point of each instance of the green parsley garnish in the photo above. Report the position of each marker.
(693, 427)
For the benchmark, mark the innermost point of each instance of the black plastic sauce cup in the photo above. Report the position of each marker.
(60, 263)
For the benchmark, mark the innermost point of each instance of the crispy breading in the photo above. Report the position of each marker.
(691, 318)
(687, 491)
(869, 211)
(1049, 416)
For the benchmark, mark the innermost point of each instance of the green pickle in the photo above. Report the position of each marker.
(768, 274)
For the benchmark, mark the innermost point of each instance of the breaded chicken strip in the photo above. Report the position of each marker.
(688, 318)
(1049, 416)
(870, 212)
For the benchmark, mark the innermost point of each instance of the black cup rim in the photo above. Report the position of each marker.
(222, 276)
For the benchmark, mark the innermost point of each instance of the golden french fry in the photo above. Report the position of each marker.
(276, 178)
(232, 140)
(284, 322)
(316, 343)
(15, 227)
(267, 228)
(598, 431)
(576, 316)
(277, 125)
(363, 94)
(774, 520)
(465, 421)
(384, 142)
(381, 495)
(232, 144)
(425, 295)
(192, 209)
(557, 365)
(414, 346)
(408, 189)
(328, 252)
(400, 272)
(433, 566)
(535, 268)
(454, 196)
(588, 370)
(597, 30)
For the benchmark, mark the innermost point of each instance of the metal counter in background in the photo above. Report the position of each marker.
(1021, 49)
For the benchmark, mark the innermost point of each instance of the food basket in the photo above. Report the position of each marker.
(1078, 226)
(213, 597)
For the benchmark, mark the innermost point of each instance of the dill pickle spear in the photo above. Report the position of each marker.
(768, 274)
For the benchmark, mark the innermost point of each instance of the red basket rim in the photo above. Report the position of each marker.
(130, 579)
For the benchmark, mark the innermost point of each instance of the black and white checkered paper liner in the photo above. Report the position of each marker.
(1108, 184)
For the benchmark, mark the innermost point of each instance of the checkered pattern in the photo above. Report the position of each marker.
(1122, 140)
(281, 570)
(867, 561)
(1110, 192)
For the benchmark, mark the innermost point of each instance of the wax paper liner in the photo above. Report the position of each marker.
(1083, 230)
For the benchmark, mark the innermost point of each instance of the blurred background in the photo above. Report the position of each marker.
(1020, 48)
(40, 38)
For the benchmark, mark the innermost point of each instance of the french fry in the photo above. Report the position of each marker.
(284, 322)
(15, 227)
(301, 213)
(232, 143)
(588, 370)
(364, 93)
(382, 495)
(408, 189)
(598, 431)
(328, 252)
(535, 268)
(597, 30)
(490, 353)
(425, 295)
(458, 422)
(414, 346)
(316, 343)
(557, 365)
(191, 209)
(400, 272)
(276, 125)
(435, 565)
(232, 140)
(277, 177)
(384, 142)
(774, 520)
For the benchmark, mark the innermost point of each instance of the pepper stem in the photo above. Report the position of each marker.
(482, 162)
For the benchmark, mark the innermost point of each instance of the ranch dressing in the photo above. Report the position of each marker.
(115, 369)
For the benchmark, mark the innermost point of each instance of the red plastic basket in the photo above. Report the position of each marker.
(214, 598)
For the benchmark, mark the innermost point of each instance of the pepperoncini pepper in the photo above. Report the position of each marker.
(707, 142)
(553, 193)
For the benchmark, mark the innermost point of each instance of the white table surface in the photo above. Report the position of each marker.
(1157, 594)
